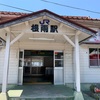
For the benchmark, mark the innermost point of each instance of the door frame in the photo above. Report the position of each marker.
(20, 77)
(20, 68)
(58, 68)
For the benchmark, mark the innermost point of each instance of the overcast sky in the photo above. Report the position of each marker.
(35, 5)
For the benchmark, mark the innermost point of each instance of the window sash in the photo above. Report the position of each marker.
(94, 58)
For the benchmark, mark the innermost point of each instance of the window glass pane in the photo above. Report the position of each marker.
(58, 63)
(99, 57)
(20, 63)
(58, 55)
(93, 53)
(93, 56)
(37, 62)
(21, 54)
(99, 53)
(27, 62)
(93, 62)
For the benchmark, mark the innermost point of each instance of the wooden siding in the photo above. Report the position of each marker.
(13, 65)
(41, 46)
(88, 75)
(1, 63)
(68, 65)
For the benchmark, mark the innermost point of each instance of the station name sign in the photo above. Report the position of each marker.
(44, 26)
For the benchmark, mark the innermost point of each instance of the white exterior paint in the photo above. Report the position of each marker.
(58, 72)
(2, 52)
(88, 75)
(14, 58)
(77, 63)
(6, 63)
(68, 65)
(13, 65)
(20, 69)
(64, 40)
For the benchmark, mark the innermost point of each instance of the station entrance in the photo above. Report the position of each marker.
(38, 66)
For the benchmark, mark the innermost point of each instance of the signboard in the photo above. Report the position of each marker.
(38, 53)
(44, 27)
(95, 39)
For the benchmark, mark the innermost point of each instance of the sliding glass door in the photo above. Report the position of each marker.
(58, 67)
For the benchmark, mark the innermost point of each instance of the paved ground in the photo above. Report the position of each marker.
(86, 97)
(41, 91)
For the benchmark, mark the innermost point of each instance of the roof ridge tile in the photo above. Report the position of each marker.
(12, 13)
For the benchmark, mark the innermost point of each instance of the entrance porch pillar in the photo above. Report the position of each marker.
(77, 63)
(6, 64)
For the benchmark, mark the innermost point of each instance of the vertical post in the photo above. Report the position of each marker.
(77, 63)
(74, 69)
(6, 64)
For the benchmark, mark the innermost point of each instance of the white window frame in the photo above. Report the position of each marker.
(98, 66)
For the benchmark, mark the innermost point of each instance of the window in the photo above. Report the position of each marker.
(94, 57)
(33, 62)
(20, 58)
(37, 62)
(58, 59)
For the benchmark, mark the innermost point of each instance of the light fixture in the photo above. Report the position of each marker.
(47, 39)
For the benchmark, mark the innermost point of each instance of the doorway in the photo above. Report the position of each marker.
(38, 67)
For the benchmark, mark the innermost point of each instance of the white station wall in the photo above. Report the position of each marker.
(1, 64)
(68, 65)
(13, 65)
(68, 59)
(14, 57)
(88, 74)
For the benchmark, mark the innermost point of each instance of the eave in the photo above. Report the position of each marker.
(51, 15)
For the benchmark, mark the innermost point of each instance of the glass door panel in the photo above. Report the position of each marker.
(20, 68)
(58, 67)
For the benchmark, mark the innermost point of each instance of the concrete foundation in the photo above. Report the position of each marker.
(3, 96)
(78, 96)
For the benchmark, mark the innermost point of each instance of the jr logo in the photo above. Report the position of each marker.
(45, 21)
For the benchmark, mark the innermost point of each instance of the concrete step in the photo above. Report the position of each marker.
(41, 92)
(62, 98)
(53, 99)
